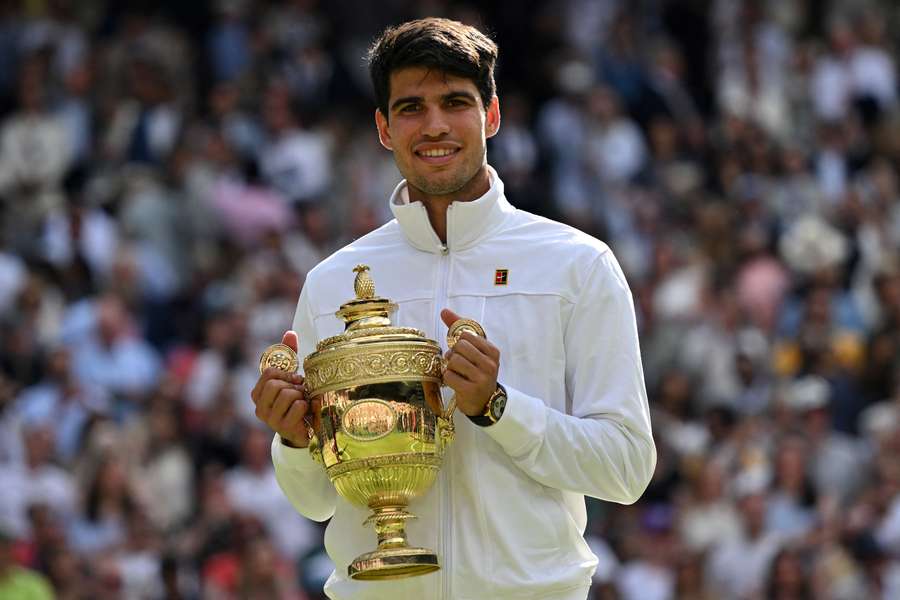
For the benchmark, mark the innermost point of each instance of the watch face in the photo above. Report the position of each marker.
(497, 406)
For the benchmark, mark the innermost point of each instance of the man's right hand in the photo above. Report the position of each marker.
(281, 402)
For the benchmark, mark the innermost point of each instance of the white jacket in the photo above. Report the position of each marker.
(506, 515)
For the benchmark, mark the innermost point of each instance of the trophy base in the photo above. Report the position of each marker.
(393, 563)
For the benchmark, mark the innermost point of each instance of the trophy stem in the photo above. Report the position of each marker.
(394, 558)
(390, 525)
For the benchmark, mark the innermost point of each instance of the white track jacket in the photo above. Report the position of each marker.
(506, 515)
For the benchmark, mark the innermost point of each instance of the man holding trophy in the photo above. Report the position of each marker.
(541, 360)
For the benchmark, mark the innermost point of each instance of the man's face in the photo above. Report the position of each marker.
(437, 129)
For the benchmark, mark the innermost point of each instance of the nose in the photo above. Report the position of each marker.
(435, 124)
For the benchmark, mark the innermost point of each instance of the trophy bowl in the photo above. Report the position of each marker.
(379, 427)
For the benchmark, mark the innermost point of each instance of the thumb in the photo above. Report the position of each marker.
(291, 340)
(449, 317)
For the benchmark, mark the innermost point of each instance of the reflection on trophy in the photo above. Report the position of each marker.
(380, 429)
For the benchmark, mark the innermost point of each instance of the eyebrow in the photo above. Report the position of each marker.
(448, 96)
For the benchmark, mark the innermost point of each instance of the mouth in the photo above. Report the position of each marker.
(437, 156)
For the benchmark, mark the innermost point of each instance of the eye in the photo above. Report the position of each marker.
(409, 108)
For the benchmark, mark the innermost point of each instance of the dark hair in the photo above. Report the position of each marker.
(433, 43)
(94, 496)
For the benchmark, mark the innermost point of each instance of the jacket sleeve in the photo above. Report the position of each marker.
(604, 448)
(303, 480)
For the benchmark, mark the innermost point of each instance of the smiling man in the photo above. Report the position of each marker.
(553, 404)
(436, 124)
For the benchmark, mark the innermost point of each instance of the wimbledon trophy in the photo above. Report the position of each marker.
(380, 427)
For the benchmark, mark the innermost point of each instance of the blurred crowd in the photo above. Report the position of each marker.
(170, 171)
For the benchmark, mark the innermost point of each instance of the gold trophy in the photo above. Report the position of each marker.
(380, 428)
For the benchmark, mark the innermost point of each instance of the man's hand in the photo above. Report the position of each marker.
(281, 402)
(472, 367)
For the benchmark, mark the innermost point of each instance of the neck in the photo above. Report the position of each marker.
(436, 204)
(437, 216)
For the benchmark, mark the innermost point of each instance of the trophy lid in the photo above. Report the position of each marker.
(367, 309)
(368, 315)
(371, 349)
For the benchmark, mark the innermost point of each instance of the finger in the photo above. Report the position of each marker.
(294, 416)
(483, 345)
(267, 398)
(462, 366)
(257, 389)
(291, 339)
(264, 377)
(449, 317)
(283, 404)
(295, 378)
(475, 356)
(458, 383)
(273, 374)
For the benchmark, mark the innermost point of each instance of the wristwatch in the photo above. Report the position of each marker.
(493, 410)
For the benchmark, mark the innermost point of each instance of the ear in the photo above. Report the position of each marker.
(384, 134)
(492, 118)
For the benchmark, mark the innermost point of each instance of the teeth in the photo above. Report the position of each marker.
(436, 153)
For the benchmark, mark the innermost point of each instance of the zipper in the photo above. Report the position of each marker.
(440, 302)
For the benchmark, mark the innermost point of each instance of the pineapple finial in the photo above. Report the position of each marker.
(363, 284)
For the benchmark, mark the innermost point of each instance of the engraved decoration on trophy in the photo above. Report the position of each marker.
(380, 429)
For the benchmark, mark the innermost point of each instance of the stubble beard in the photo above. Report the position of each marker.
(445, 184)
(438, 187)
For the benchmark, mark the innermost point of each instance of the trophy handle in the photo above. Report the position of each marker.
(445, 427)
(448, 412)
(315, 448)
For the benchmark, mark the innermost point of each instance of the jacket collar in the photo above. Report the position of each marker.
(467, 222)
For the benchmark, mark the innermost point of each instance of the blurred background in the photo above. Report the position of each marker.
(171, 170)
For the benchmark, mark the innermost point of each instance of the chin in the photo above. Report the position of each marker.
(442, 184)
(433, 188)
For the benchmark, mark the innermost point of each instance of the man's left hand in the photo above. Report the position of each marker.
(472, 366)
